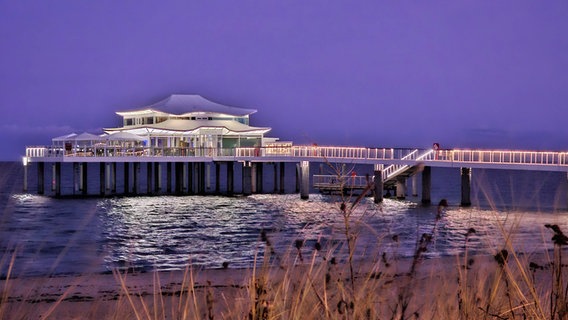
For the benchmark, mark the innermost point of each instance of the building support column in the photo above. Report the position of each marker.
(126, 177)
(379, 189)
(247, 178)
(200, 167)
(26, 164)
(40, 177)
(298, 177)
(217, 178)
(76, 177)
(149, 175)
(253, 177)
(179, 174)
(83, 181)
(275, 179)
(282, 175)
(113, 177)
(305, 176)
(259, 177)
(400, 188)
(102, 171)
(414, 185)
(190, 175)
(466, 187)
(57, 178)
(207, 174)
(230, 178)
(135, 176)
(168, 177)
(157, 177)
(426, 185)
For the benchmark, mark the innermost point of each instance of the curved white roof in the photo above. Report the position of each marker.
(188, 126)
(180, 104)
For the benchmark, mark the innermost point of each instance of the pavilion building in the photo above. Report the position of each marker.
(191, 122)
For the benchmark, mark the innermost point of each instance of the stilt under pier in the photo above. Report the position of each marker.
(426, 185)
(230, 178)
(126, 167)
(247, 178)
(305, 177)
(40, 177)
(466, 187)
(378, 179)
(135, 177)
(401, 188)
(282, 175)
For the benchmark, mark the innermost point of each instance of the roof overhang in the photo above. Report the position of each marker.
(144, 131)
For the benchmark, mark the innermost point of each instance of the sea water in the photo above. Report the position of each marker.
(42, 235)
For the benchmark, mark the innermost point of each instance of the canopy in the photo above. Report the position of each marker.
(85, 136)
(123, 136)
(67, 137)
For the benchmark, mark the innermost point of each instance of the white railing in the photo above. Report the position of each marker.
(395, 169)
(330, 153)
(502, 157)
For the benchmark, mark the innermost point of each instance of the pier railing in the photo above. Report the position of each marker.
(547, 158)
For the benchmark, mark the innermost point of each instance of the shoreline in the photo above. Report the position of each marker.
(103, 294)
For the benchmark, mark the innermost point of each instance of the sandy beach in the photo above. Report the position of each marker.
(227, 294)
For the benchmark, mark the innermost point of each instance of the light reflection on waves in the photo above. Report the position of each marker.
(172, 231)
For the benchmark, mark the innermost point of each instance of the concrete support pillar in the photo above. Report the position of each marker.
(414, 181)
(201, 178)
(57, 179)
(102, 181)
(258, 178)
(184, 181)
(126, 178)
(298, 177)
(149, 175)
(179, 174)
(282, 175)
(83, 180)
(207, 174)
(305, 176)
(40, 177)
(230, 178)
(275, 179)
(253, 177)
(25, 188)
(169, 178)
(247, 178)
(113, 177)
(466, 187)
(135, 176)
(217, 178)
(426, 185)
(401, 188)
(378, 179)
(190, 178)
(157, 177)
(76, 177)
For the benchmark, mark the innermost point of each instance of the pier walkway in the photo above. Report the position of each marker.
(391, 166)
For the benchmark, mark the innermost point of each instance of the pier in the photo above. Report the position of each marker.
(186, 144)
(186, 171)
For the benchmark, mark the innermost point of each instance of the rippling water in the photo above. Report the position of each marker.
(51, 236)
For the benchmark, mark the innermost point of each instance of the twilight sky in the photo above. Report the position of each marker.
(477, 73)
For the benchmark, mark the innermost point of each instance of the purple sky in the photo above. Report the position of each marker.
(367, 73)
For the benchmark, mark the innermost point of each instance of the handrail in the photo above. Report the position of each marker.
(546, 158)
(395, 169)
